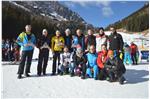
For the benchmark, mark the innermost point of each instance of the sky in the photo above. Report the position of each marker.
(103, 13)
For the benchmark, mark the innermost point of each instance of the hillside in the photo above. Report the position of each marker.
(136, 22)
(40, 14)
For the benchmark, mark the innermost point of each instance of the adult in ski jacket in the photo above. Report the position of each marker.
(44, 47)
(27, 42)
(92, 63)
(57, 45)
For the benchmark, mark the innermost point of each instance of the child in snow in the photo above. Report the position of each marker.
(79, 63)
(102, 56)
(92, 63)
(115, 68)
(65, 59)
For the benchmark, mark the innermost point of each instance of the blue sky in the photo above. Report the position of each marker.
(103, 13)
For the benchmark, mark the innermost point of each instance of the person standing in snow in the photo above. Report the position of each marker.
(92, 63)
(79, 39)
(127, 54)
(115, 42)
(68, 39)
(90, 39)
(101, 38)
(134, 50)
(44, 47)
(57, 45)
(27, 41)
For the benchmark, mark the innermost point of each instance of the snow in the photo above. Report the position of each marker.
(68, 87)
(20, 6)
(58, 17)
(42, 14)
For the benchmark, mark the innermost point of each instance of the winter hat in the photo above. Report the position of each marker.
(67, 30)
(78, 46)
(44, 30)
(101, 28)
(57, 31)
(110, 52)
(79, 51)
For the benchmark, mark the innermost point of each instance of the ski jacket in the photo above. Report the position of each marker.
(57, 43)
(24, 38)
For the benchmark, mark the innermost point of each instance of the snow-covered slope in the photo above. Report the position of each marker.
(68, 87)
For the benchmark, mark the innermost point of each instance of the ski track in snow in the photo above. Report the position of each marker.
(66, 86)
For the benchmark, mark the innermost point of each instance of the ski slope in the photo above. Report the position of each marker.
(73, 87)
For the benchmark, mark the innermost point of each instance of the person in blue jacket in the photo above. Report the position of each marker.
(127, 54)
(78, 39)
(92, 67)
(27, 42)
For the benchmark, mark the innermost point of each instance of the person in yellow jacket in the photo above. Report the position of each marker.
(57, 45)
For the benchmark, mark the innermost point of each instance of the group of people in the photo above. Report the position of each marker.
(10, 50)
(88, 56)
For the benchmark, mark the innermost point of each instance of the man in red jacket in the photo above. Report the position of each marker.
(102, 56)
(134, 50)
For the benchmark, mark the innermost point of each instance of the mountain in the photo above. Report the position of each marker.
(53, 9)
(136, 22)
(40, 14)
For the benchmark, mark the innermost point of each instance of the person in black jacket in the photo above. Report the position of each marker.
(44, 46)
(68, 39)
(115, 42)
(115, 68)
(90, 39)
(79, 63)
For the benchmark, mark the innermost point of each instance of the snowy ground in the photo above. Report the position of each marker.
(66, 86)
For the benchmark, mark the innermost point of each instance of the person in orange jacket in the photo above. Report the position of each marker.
(102, 56)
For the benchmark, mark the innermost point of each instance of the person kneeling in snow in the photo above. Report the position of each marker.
(115, 68)
(65, 58)
(92, 63)
(79, 63)
(102, 57)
